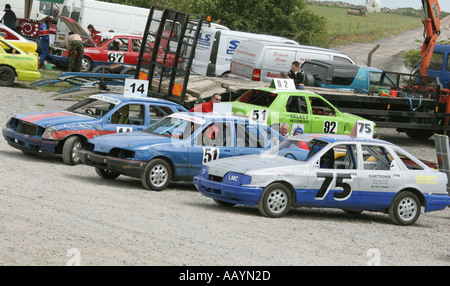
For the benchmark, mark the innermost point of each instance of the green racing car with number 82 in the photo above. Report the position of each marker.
(304, 111)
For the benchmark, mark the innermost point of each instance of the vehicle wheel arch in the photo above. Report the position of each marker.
(61, 142)
(168, 161)
(9, 66)
(290, 188)
(416, 192)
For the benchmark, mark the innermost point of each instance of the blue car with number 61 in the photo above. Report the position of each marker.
(175, 148)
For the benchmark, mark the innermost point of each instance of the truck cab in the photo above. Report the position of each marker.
(440, 65)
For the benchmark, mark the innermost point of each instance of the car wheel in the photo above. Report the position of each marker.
(404, 209)
(157, 175)
(419, 134)
(86, 64)
(7, 76)
(71, 147)
(224, 204)
(275, 201)
(106, 174)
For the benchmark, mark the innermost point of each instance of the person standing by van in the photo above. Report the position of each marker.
(297, 74)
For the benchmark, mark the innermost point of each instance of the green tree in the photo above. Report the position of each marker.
(286, 18)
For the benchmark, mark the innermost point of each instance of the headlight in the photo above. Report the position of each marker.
(48, 133)
(204, 172)
(232, 178)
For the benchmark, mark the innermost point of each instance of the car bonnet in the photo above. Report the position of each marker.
(255, 164)
(129, 141)
(51, 118)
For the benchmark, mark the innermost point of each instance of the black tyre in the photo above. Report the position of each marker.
(130, 71)
(405, 208)
(157, 175)
(106, 174)
(7, 76)
(224, 204)
(71, 147)
(86, 64)
(102, 69)
(419, 134)
(275, 201)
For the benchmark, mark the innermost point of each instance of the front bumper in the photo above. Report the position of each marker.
(29, 143)
(121, 166)
(236, 194)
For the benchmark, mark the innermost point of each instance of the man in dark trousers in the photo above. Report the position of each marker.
(297, 74)
(9, 19)
(75, 47)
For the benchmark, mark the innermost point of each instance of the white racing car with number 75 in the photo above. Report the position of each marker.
(328, 171)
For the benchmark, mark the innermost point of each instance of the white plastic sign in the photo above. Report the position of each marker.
(259, 116)
(282, 83)
(135, 88)
(362, 129)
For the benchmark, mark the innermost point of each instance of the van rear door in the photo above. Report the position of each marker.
(245, 59)
(276, 59)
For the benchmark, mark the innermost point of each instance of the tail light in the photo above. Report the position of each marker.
(256, 76)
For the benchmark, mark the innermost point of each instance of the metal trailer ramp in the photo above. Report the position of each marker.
(167, 63)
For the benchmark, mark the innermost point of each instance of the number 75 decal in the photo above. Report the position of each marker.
(329, 177)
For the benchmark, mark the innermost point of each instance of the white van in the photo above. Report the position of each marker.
(263, 61)
(215, 48)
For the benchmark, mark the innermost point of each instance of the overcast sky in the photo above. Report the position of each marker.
(416, 4)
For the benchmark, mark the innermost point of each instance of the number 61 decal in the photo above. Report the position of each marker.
(329, 177)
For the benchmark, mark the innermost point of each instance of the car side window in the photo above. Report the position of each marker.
(376, 158)
(339, 157)
(344, 76)
(215, 134)
(320, 107)
(158, 112)
(296, 104)
(132, 114)
(410, 163)
(249, 136)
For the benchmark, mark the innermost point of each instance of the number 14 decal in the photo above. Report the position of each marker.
(329, 177)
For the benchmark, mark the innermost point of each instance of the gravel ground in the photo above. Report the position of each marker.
(54, 214)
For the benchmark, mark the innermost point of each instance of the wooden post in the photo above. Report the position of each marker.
(369, 59)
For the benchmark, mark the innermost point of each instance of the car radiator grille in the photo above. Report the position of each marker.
(27, 129)
(215, 178)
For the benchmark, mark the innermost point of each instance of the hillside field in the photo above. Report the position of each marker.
(345, 28)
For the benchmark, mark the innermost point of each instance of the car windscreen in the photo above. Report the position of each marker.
(296, 148)
(93, 107)
(172, 126)
(258, 97)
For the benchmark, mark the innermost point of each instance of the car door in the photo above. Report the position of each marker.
(382, 177)
(335, 179)
(325, 117)
(127, 117)
(297, 114)
(250, 139)
(213, 141)
(117, 51)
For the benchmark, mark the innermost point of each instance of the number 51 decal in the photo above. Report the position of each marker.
(210, 154)
(329, 177)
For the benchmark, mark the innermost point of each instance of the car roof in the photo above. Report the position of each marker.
(128, 99)
(211, 115)
(331, 138)
(340, 64)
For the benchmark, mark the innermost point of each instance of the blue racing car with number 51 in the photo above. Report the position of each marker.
(175, 148)
(328, 171)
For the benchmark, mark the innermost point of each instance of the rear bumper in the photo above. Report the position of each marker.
(435, 202)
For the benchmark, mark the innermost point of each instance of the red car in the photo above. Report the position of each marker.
(123, 49)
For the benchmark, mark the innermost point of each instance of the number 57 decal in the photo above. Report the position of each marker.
(329, 177)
